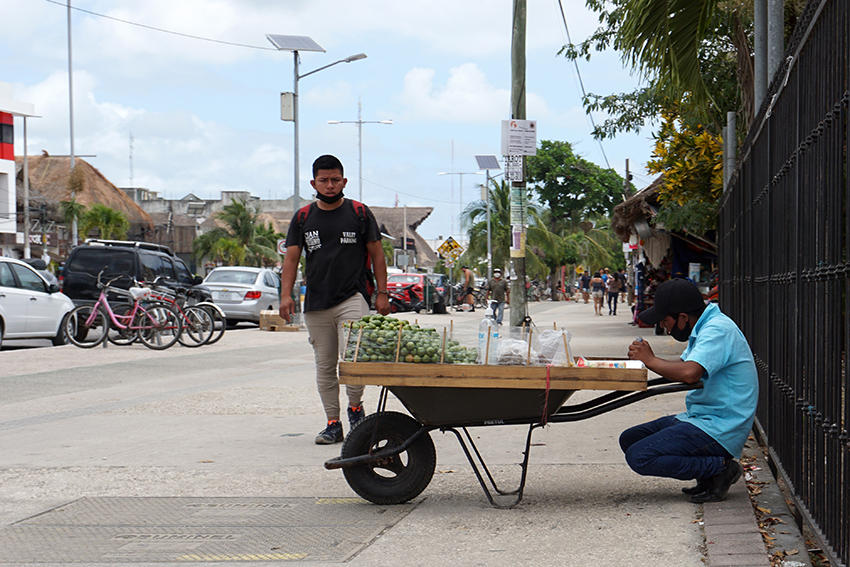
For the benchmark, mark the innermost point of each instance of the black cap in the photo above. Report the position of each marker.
(671, 298)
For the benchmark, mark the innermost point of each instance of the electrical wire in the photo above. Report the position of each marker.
(408, 194)
(64, 5)
(580, 81)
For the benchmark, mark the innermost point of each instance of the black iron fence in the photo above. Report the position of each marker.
(785, 268)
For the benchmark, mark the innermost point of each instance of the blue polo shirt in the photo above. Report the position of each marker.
(724, 408)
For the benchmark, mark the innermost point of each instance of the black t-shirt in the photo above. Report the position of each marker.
(336, 253)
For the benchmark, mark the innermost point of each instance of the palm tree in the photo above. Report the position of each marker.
(539, 240)
(109, 222)
(241, 241)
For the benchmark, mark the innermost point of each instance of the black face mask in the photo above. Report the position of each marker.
(326, 199)
(680, 335)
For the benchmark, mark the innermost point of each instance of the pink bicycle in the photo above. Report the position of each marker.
(156, 325)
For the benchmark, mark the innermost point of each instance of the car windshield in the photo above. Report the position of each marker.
(403, 278)
(232, 276)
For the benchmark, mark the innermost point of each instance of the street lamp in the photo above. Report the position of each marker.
(487, 163)
(296, 43)
(360, 124)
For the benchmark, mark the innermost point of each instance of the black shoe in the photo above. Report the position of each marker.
(702, 486)
(719, 484)
(331, 434)
(355, 416)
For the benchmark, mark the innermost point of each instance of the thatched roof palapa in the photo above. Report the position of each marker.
(48, 180)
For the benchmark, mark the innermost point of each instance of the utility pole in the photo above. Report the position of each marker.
(626, 182)
(519, 308)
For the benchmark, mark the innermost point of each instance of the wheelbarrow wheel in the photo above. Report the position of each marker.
(397, 479)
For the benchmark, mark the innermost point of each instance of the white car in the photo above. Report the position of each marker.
(242, 292)
(30, 307)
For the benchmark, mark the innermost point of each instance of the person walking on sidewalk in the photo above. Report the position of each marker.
(613, 287)
(703, 441)
(336, 234)
(597, 290)
(500, 292)
(585, 286)
(468, 287)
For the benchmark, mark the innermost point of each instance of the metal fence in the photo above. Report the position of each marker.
(785, 268)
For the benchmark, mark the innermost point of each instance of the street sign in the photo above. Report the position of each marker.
(281, 247)
(519, 137)
(513, 168)
(450, 248)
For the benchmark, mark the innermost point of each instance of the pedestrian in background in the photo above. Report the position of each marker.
(585, 285)
(499, 291)
(613, 288)
(597, 290)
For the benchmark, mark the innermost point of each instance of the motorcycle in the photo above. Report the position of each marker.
(405, 299)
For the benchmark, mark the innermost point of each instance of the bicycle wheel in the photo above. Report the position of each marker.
(159, 327)
(218, 321)
(118, 336)
(197, 327)
(86, 327)
(481, 301)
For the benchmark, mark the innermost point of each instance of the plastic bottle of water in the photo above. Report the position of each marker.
(484, 331)
(493, 357)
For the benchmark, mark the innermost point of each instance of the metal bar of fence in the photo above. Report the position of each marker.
(785, 267)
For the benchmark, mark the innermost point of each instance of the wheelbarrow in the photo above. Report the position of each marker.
(389, 457)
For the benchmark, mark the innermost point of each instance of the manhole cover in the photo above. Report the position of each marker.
(186, 530)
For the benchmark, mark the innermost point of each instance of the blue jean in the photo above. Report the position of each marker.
(498, 311)
(672, 448)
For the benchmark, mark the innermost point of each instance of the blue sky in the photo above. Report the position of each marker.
(205, 116)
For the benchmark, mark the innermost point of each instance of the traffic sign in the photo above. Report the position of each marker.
(450, 248)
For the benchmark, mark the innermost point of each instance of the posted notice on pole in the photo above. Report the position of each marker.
(519, 137)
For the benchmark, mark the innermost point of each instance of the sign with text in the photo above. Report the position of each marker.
(514, 169)
(519, 137)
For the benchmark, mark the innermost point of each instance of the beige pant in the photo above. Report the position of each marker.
(326, 337)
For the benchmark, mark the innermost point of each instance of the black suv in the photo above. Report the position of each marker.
(142, 261)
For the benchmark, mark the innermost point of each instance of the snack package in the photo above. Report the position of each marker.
(632, 364)
(515, 352)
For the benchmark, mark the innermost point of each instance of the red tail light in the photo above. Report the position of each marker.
(61, 282)
(253, 295)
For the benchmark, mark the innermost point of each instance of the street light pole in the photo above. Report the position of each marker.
(360, 124)
(488, 162)
(295, 44)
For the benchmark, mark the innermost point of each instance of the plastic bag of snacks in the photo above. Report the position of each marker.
(555, 348)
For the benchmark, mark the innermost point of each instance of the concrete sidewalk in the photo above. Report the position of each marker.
(146, 452)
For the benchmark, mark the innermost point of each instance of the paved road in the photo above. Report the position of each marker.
(237, 419)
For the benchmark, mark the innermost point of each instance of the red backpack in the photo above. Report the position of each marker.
(360, 208)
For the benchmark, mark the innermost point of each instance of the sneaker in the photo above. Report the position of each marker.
(332, 434)
(719, 484)
(355, 416)
(701, 486)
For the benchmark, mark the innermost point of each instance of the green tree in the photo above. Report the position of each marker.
(539, 241)
(572, 187)
(108, 222)
(241, 241)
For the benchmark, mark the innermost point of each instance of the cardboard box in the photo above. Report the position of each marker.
(270, 318)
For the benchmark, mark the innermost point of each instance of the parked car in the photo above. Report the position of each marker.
(242, 292)
(422, 287)
(41, 267)
(441, 291)
(30, 307)
(142, 261)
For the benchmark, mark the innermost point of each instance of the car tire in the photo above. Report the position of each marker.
(2, 330)
(60, 339)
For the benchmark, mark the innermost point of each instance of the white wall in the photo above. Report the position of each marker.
(7, 196)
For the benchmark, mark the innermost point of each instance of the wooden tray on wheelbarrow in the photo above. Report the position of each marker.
(482, 394)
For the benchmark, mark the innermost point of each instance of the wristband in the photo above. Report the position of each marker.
(384, 292)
